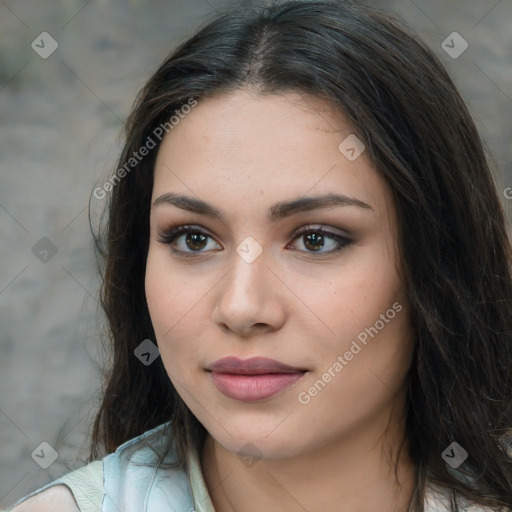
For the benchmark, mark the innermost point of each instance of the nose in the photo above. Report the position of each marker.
(251, 298)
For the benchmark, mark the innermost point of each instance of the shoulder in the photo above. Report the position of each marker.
(437, 499)
(146, 446)
(142, 454)
(150, 460)
(58, 497)
(151, 451)
(72, 492)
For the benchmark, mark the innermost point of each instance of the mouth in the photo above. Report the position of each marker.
(253, 379)
(252, 366)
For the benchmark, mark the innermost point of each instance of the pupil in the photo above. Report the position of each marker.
(316, 239)
(192, 237)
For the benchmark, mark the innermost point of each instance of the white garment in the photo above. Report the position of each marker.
(117, 483)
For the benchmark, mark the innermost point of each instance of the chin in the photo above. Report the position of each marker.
(256, 439)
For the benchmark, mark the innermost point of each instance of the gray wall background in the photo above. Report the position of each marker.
(60, 123)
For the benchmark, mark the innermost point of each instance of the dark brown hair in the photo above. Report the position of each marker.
(455, 254)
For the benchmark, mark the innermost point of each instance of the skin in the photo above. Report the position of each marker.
(243, 152)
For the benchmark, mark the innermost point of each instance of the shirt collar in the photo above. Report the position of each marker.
(200, 494)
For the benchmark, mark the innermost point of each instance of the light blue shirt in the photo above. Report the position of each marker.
(129, 480)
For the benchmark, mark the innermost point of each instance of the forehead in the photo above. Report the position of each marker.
(242, 146)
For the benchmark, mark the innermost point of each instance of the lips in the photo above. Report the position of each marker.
(252, 366)
(254, 379)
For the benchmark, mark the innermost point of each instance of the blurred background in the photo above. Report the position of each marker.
(69, 72)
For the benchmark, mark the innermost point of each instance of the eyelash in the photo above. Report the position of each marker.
(172, 232)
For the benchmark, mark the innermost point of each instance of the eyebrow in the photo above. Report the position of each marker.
(276, 212)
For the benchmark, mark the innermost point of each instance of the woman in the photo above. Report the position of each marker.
(307, 281)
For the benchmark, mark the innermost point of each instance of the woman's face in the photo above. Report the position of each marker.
(330, 306)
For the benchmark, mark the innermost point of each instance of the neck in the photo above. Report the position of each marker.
(355, 473)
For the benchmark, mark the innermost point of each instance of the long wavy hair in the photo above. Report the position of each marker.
(454, 250)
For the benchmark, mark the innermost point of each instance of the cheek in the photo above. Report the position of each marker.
(158, 287)
(171, 294)
(171, 308)
(365, 307)
(353, 295)
(346, 393)
(376, 351)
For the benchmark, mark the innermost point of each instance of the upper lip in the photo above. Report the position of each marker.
(251, 366)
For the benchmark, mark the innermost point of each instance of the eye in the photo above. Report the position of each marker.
(314, 239)
(195, 240)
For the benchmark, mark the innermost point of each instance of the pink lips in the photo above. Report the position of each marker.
(253, 379)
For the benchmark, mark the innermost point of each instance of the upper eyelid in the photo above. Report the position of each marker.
(185, 228)
(320, 227)
(181, 229)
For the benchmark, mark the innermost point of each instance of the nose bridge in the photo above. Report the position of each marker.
(249, 269)
(246, 296)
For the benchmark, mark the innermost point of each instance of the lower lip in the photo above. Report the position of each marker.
(251, 388)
